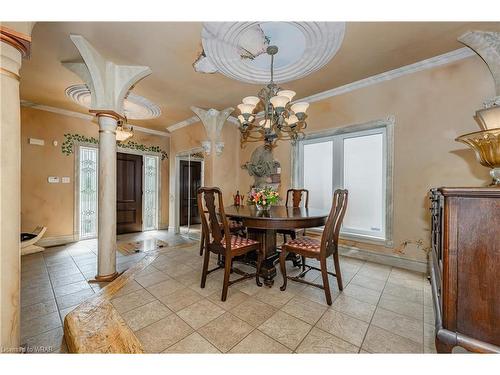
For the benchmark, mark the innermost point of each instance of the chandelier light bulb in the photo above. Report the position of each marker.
(288, 93)
(300, 107)
(252, 100)
(246, 108)
(279, 101)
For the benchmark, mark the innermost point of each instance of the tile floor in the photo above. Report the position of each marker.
(381, 310)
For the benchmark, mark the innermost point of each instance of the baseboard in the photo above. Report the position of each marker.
(390, 260)
(56, 240)
(163, 227)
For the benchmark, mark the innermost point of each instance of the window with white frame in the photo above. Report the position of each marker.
(356, 159)
(150, 192)
(88, 192)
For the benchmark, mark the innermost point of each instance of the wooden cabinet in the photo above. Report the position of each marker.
(465, 268)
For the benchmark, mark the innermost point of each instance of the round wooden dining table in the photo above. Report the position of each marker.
(263, 225)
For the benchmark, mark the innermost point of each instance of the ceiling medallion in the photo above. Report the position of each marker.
(238, 49)
(136, 107)
(281, 120)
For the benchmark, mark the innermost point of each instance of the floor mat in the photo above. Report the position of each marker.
(128, 248)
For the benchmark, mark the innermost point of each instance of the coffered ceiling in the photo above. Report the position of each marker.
(170, 48)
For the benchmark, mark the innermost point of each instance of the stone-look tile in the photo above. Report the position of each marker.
(47, 342)
(399, 324)
(248, 287)
(401, 273)
(38, 309)
(234, 298)
(175, 269)
(151, 278)
(71, 288)
(158, 336)
(165, 287)
(145, 315)
(378, 340)
(318, 295)
(343, 326)
(73, 299)
(257, 342)
(131, 286)
(65, 280)
(402, 292)
(40, 325)
(180, 299)
(225, 331)
(32, 296)
(200, 313)
(363, 294)
(406, 308)
(212, 285)
(429, 336)
(318, 341)
(192, 344)
(274, 296)
(58, 273)
(353, 307)
(306, 310)
(253, 311)
(375, 271)
(368, 282)
(189, 278)
(285, 329)
(131, 301)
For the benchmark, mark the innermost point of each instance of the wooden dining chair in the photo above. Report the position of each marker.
(296, 195)
(319, 249)
(219, 240)
(235, 227)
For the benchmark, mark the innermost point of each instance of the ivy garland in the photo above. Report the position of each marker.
(70, 139)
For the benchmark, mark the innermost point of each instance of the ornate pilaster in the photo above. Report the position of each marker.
(109, 84)
(14, 46)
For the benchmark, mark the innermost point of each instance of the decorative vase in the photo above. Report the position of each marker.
(261, 207)
(486, 144)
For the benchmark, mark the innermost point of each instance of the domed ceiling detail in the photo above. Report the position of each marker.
(136, 107)
(238, 49)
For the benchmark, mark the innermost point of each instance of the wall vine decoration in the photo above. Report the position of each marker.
(70, 139)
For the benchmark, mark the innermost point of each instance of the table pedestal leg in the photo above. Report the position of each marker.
(267, 239)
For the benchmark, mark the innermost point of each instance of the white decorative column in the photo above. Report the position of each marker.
(109, 84)
(14, 45)
(213, 121)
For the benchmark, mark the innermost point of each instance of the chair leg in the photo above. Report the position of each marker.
(260, 257)
(202, 244)
(204, 271)
(303, 263)
(284, 238)
(293, 235)
(337, 269)
(227, 272)
(283, 269)
(326, 284)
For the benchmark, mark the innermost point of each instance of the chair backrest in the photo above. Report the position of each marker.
(296, 195)
(213, 229)
(330, 237)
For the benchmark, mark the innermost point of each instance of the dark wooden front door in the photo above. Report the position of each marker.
(190, 182)
(128, 193)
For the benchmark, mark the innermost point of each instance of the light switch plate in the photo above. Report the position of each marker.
(53, 180)
(35, 141)
(66, 180)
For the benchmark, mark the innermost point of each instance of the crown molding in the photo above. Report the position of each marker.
(195, 119)
(430, 63)
(84, 116)
(433, 62)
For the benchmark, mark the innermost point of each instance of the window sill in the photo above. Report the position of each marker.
(359, 238)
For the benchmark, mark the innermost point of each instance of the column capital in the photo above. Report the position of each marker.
(107, 113)
(20, 41)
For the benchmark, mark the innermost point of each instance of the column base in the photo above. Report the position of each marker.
(106, 278)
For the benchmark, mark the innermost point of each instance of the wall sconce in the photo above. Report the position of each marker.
(219, 147)
(207, 147)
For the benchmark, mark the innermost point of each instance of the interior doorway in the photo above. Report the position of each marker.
(189, 178)
(128, 193)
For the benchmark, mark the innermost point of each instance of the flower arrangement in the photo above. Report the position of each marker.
(263, 198)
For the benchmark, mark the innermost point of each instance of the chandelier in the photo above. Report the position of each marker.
(279, 120)
(123, 133)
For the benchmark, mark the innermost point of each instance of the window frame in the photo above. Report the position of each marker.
(337, 136)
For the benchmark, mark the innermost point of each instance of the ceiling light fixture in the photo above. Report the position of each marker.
(123, 133)
(281, 121)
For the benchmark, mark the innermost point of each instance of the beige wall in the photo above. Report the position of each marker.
(431, 109)
(52, 205)
(221, 171)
